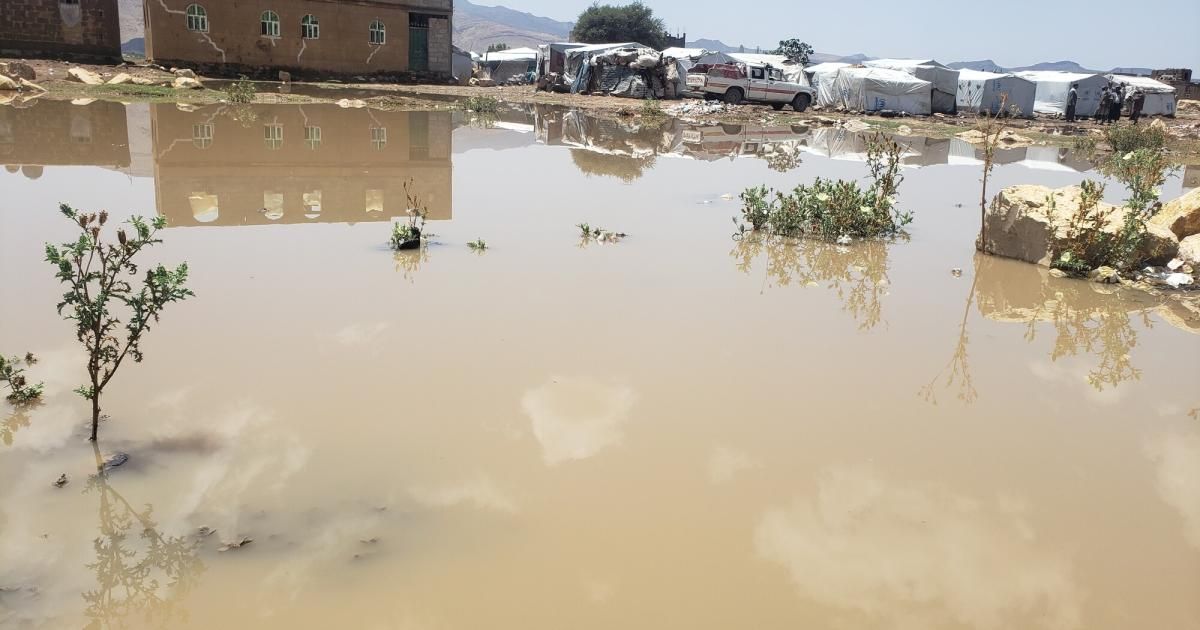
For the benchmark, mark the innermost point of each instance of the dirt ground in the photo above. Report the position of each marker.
(52, 75)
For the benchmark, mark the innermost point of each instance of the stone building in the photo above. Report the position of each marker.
(299, 164)
(341, 37)
(87, 29)
(1180, 79)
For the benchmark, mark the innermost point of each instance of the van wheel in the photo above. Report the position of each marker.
(800, 103)
(734, 96)
(777, 106)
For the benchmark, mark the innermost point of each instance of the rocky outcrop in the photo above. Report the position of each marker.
(1189, 252)
(17, 70)
(1021, 223)
(86, 77)
(1181, 216)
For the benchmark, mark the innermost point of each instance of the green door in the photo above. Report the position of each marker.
(418, 42)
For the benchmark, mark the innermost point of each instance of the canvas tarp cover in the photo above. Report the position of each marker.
(821, 77)
(945, 80)
(576, 57)
(878, 89)
(1160, 97)
(1052, 88)
(982, 91)
(691, 57)
(792, 72)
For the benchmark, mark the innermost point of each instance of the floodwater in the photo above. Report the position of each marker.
(678, 430)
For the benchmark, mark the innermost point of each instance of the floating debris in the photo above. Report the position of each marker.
(114, 460)
(62, 481)
(956, 272)
(205, 531)
(236, 544)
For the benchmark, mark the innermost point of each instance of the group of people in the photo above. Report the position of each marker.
(1112, 100)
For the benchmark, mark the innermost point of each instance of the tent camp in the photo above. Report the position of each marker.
(878, 89)
(944, 79)
(981, 92)
(1052, 88)
(1160, 97)
(821, 77)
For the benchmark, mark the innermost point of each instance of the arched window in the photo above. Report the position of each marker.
(269, 24)
(378, 33)
(310, 27)
(197, 18)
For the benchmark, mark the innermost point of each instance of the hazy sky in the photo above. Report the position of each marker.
(1098, 34)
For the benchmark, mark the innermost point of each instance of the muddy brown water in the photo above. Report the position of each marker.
(677, 430)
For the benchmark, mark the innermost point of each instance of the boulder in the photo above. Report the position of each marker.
(1105, 275)
(186, 83)
(8, 84)
(18, 70)
(120, 79)
(1189, 252)
(1020, 224)
(1181, 216)
(185, 73)
(86, 77)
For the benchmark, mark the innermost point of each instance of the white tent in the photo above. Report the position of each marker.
(1160, 97)
(878, 89)
(1052, 88)
(793, 72)
(691, 57)
(943, 78)
(981, 92)
(821, 77)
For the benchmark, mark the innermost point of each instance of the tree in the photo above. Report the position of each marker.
(795, 50)
(606, 23)
(99, 294)
(497, 47)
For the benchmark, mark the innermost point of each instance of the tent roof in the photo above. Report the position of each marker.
(883, 75)
(1054, 76)
(828, 66)
(511, 54)
(756, 58)
(596, 47)
(684, 53)
(903, 63)
(978, 75)
(1145, 84)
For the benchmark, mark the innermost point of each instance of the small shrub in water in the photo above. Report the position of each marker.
(112, 311)
(21, 392)
(834, 210)
(589, 233)
(482, 104)
(408, 234)
(241, 91)
(1126, 138)
(478, 245)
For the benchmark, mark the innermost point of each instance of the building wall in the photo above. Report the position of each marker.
(57, 133)
(212, 169)
(234, 41)
(49, 28)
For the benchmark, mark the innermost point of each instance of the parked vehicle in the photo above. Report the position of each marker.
(756, 83)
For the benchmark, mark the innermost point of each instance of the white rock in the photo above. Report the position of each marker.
(185, 73)
(8, 84)
(120, 79)
(86, 77)
(185, 83)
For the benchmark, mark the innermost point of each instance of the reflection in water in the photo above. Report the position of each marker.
(958, 370)
(409, 262)
(17, 419)
(1176, 457)
(57, 133)
(858, 273)
(576, 418)
(140, 581)
(1086, 319)
(267, 164)
(909, 556)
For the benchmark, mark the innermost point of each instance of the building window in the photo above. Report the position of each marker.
(269, 24)
(312, 137)
(273, 136)
(74, 2)
(202, 135)
(310, 27)
(197, 18)
(379, 137)
(378, 33)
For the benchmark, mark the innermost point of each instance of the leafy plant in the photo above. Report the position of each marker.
(112, 312)
(634, 22)
(589, 233)
(241, 91)
(408, 234)
(795, 50)
(651, 108)
(21, 392)
(482, 104)
(834, 209)
(478, 245)
(1085, 145)
(1126, 138)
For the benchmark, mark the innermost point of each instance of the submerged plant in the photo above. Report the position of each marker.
(482, 104)
(478, 245)
(21, 392)
(408, 234)
(241, 91)
(834, 209)
(111, 309)
(601, 235)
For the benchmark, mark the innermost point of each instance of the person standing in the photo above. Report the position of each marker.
(1139, 101)
(1118, 102)
(1072, 101)
(1105, 106)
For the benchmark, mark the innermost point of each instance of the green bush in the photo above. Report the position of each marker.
(1126, 138)
(834, 209)
(241, 91)
(21, 391)
(482, 104)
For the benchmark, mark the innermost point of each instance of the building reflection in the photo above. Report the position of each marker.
(263, 164)
(856, 273)
(42, 133)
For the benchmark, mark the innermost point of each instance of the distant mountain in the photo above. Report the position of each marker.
(135, 46)
(133, 25)
(476, 27)
(1060, 66)
(714, 45)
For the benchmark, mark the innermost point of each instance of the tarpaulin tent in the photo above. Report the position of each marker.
(944, 79)
(821, 77)
(793, 72)
(1160, 97)
(878, 89)
(514, 62)
(691, 57)
(462, 64)
(981, 92)
(1052, 88)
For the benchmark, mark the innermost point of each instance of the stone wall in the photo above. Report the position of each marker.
(439, 45)
(90, 29)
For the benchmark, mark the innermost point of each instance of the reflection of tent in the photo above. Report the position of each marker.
(944, 79)
(1160, 97)
(1052, 88)
(878, 89)
(981, 91)
(821, 77)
